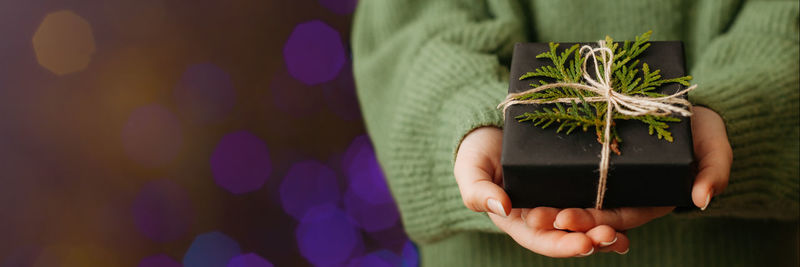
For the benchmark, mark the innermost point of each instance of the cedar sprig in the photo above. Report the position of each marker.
(628, 78)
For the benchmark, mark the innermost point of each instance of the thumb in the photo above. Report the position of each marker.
(714, 155)
(480, 194)
(477, 171)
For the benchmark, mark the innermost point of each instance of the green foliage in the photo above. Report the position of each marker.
(628, 78)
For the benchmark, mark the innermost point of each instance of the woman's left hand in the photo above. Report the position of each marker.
(714, 155)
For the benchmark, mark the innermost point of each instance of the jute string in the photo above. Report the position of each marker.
(624, 104)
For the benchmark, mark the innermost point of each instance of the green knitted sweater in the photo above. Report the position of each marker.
(429, 71)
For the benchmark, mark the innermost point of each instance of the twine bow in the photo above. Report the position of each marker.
(622, 103)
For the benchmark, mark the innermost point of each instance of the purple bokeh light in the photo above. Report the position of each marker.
(341, 7)
(249, 260)
(380, 258)
(365, 177)
(371, 217)
(152, 135)
(326, 237)
(410, 255)
(162, 210)
(294, 97)
(205, 93)
(340, 95)
(213, 249)
(314, 52)
(306, 185)
(240, 162)
(160, 260)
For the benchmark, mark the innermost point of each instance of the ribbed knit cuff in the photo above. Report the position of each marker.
(749, 76)
(435, 208)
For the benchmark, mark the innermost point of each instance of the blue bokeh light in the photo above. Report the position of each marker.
(308, 184)
(326, 237)
(410, 255)
(213, 249)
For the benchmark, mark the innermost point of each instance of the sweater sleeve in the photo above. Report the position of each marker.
(427, 73)
(749, 75)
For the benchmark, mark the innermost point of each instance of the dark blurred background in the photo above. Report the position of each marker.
(187, 133)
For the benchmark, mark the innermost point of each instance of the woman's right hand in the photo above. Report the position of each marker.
(479, 175)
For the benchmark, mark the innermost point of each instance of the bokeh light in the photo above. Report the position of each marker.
(152, 135)
(314, 52)
(365, 177)
(370, 216)
(212, 249)
(162, 210)
(294, 97)
(340, 95)
(205, 93)
(249, 260)
(165, 98)
(410, 255)
(380, 258)
(306, 185)
(326, 237)
(341, 7)
(160, 260)
(240, 162)
(64, 42)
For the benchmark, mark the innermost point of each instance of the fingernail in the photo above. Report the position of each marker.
(624, 252)
(495, 207)
(708, 200)
(587, 253)
(605, 244)
(523, 213)
(555, 225)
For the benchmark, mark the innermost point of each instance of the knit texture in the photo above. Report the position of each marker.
(428, 72)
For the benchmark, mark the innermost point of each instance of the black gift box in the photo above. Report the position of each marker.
(545, 168)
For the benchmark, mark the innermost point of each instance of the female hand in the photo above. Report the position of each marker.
(479, 174)
(542, 230)
(714, 155)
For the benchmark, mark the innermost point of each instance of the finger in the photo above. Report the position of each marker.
(602, 236)
(711, 179)
(540, 217)
(551, 243)
(620, 218)
(480, 194)
(714, 155)
(575, 219)
(622, 246)
(477, 172)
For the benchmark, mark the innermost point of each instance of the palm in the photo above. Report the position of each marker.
(576, 232)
